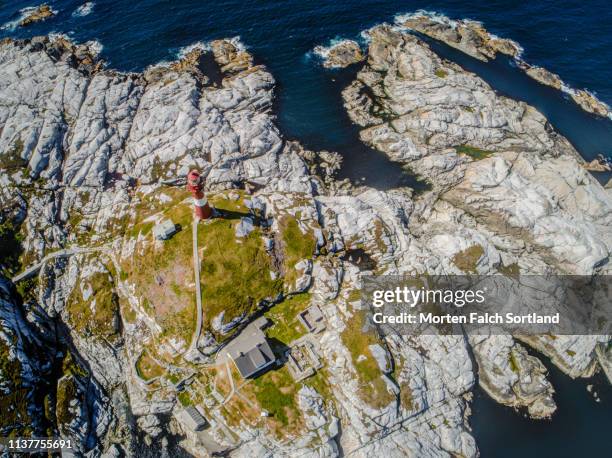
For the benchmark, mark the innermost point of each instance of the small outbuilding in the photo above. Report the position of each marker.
(312, 319)
(164, 230)
(192, 419)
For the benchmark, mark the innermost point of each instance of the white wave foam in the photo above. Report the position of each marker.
(237, 42)
(205, 46)
(440, 18)
(23, 13)
(201, 45)
(65, 36)
(574, 92)
(519, 49)
(83, 10)
(323, 51)
(160, 64)
(94, 46)
(365, 38)
(399, 19)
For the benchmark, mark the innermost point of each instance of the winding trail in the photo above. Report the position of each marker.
(63, 253)
(196, 271)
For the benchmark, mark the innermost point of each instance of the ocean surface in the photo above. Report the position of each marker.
(570, 38)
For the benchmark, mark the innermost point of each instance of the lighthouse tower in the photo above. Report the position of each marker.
(195, 186)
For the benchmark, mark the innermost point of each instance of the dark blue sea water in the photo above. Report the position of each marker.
(571, 38)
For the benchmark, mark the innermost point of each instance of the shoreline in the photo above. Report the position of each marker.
(426, 21)
(507, 194)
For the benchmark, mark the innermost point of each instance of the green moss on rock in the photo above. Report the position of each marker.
(67, 391)
(475, 153)
(98, 314)
(147, 367)
(296, 245)
(10, 247)
(11, 160)
(14, 417)
(467, 260)
(373, 389)
(286, 327)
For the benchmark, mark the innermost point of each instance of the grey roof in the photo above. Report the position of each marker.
(193, 419)
(254, 360)
(164, 229)
(251, 351)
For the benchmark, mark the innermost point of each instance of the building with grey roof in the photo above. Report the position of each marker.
(250, 351)
(164, 230)
(192, 419)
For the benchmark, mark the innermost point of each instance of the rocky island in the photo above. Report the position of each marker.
(473, 39)
(102, 339)
(37, 14)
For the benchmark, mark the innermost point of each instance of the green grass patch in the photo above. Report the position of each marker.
(440, 73)
(71, 367)
(284, 315)
(147, 367)
(373, 389)
(467, 260)
(102, 320)
(223, 202)
(10, 247)
(514, 367)
(319, 381)
(11, 160)
(147, 205)
(379, 232)
(296, 246)
(235, 272)
(185, 399)
(154, 269)
(475, 153)
(14, 417)
(511, 270)
(27, 288)
(276, 393)
(67, 390)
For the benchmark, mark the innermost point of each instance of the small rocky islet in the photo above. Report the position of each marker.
(36, 14)
(90, 158)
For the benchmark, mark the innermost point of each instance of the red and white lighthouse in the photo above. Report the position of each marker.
(195, 186)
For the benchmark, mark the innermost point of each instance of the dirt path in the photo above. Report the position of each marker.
(196, 272)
